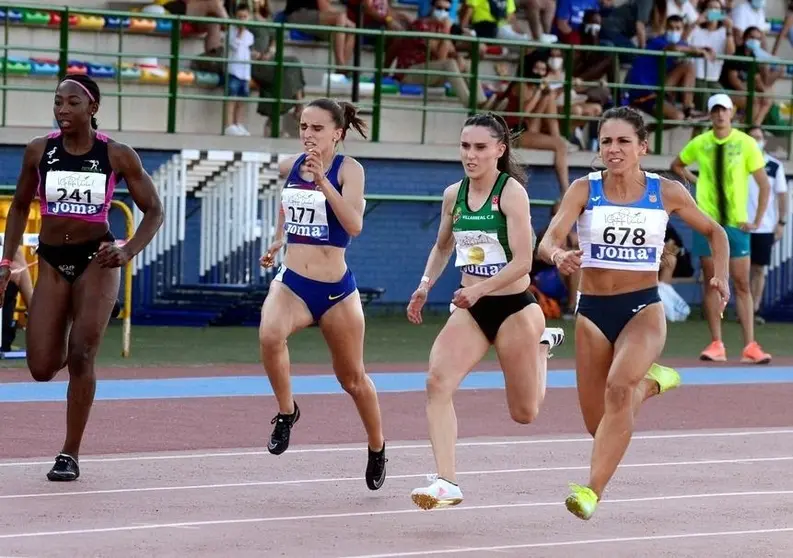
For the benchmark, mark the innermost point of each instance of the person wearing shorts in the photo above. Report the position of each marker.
(319, 12)
(727, 158)
(772, 226)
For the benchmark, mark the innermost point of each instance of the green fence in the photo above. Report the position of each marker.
(180, 87)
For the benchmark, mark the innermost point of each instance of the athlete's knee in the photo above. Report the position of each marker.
(438, 386)
(741, 284)
(354, 384)
(524, 413)
(619, 393)
(271, 338)
(44, 370)
(81, 358)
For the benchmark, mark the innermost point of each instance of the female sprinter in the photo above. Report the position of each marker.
(74, 172)
(321, 209)
(621, 328)
(486, 217)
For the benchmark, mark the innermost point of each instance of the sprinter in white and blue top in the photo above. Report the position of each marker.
(622, 215)
(322, 204)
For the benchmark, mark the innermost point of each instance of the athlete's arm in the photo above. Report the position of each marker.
(28, 181)
(764, 194)
(444, 243)
(515, 206)
(678, 200)
(126, 163)
(286, 165)
(573, 203)
(348, 206)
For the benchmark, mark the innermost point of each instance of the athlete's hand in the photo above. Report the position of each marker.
(111, 254)
(747, 227)
(417, 301)
(569, 261)
(723, 288)
(314, 165)
(5, 277)
(268, 259)
(466, 297)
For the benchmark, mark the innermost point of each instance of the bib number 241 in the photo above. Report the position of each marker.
(624, 235)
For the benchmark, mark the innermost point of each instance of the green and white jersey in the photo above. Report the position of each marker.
(481, 236)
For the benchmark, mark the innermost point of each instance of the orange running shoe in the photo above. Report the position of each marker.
(715, 352)
(753, 353)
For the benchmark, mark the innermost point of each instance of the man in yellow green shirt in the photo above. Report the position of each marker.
(727, 158)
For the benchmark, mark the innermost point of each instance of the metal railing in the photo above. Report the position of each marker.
(171, 26)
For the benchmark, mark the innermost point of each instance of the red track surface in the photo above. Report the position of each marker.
(312, 501)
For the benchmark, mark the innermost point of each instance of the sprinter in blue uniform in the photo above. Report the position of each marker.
(322, 207)
(621, 327)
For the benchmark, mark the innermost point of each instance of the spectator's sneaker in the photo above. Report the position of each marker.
(553, 337)
(715, 352)
(65, 469)
(279, 439)
(440, 494)
(549, 39)
(234, 130)
(753, 353)
(375, 468)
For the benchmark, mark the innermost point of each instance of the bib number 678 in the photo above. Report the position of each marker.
(620, 235)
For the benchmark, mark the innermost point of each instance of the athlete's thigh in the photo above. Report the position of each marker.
(343, 327)
(49, 317)
(283, 313)
(593, 356)
(459, 347)
(638, 346)
(93, 296)
(517, 345)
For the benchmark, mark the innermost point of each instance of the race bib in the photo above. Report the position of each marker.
(305, 213)
(479, 253)
(71, 193)
(621, 235)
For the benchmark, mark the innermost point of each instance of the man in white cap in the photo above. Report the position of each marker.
(727, 158)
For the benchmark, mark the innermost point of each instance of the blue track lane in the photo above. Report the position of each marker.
(241, 386)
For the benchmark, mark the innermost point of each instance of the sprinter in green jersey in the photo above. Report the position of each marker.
(486, 220)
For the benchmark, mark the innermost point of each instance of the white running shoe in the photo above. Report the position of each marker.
(553, 337)
(440, 494)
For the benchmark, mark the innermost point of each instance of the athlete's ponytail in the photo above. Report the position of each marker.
(499, 130)
(344, 114)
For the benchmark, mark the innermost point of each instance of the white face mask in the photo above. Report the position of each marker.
(440, 14)
(674, 36)
(555, 63)
(593, 28)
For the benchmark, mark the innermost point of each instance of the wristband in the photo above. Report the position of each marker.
(5, 262)
(425, 279)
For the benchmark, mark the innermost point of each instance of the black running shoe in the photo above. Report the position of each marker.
(279, 439)
(65, 469)
(375, 469)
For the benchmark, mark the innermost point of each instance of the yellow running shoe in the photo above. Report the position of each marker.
(666, 378)
(582, 501)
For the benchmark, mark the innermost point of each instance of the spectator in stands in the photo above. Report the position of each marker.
(625, 26)
(593, 65)
(679, 73)
(320, 12)
(377, 14)
(787, 29)
(569, 19)
(749, 13)
(410, 53)
(548, 279)
(713, 31)
(535, 98)
(293, 81)
(540, 14)
(676, 260)
(580, 102)
(686, 10)
(491, 19)
(772, 227)
(735, 75)
(213, 41)
(239, 72)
